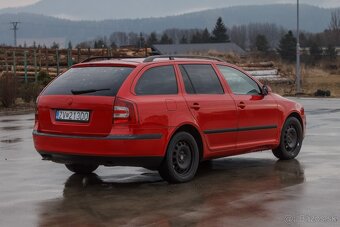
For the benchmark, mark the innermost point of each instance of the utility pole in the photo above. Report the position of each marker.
(298, 75)
(15, 29)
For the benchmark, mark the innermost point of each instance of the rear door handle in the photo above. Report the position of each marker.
(195, 106)
(241, 105)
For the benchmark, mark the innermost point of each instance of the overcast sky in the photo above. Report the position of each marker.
(322, 3)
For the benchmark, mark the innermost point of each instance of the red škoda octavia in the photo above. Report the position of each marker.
(166, 113)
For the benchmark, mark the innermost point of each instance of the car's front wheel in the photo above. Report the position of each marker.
(81, 168)
(181, 160)
(291, 140)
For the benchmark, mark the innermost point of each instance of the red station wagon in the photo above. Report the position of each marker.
(166, 113)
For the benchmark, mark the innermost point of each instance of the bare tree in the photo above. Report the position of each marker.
(119, 38)
(333, 33)
(334, 25)
(238, 35)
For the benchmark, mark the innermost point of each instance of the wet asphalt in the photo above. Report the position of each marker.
(248, 190)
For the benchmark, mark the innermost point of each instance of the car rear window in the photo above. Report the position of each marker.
(93, 81)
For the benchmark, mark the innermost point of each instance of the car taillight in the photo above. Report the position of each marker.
(124, 112)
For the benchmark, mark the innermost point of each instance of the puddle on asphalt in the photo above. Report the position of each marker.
(16, 140)
(15, 128)
(16, 120)
(8, 120)
(11, 128)
(322, 111)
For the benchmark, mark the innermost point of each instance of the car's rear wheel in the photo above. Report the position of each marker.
(291, 140)
(81, 168)
(181, 160)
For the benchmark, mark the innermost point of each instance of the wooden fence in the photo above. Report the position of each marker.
(26, 63)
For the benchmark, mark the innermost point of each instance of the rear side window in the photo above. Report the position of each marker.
(157, 81)
(93, 81)
(201, 79)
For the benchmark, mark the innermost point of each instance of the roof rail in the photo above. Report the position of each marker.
(106, 58)
(172, 57)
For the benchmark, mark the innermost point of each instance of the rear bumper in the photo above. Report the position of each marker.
(147, 162)
(113, 150)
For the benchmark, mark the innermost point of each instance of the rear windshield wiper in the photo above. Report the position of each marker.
(79, 92)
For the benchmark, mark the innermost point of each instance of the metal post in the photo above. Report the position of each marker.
(6, 62)
(35, 65)
(57, 59)
(46, 59)
(69, 57)
(14, 64)
(15, 29)
(298, 75)
(40, 59)
(79, 54)
(25, 66)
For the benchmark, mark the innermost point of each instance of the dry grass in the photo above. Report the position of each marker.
(313, 78)
(316, 78)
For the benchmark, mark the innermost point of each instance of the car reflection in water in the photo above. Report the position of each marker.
(146, 199)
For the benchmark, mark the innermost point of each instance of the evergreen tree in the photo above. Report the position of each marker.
(165, 39)
(184, 40)
(315, 51)
(69, 45)
(152, 39)
(220, 32)
(205, 36)
(196, 37)
(55, 45)
(303, 40)
(261, 43)
(287, 47)
(98, 44)
(113, 45)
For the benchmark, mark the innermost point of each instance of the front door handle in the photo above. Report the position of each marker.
(241, 105)
(195, 106)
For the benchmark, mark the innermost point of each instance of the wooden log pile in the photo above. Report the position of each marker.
(52, 61)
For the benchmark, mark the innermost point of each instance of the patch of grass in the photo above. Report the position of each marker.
(316, 78)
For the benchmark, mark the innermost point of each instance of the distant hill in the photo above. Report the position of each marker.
(116, 9)
(313, 19)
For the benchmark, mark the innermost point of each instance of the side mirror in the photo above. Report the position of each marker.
(265, 90)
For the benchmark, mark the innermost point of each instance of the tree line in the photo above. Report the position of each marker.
(313, 46)
(260, 37)
(170, 36)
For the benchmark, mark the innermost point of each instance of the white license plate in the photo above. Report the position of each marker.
(71, 115)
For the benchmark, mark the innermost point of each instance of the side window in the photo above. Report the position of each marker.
(200, 79)
(239, 83)
(157, 81)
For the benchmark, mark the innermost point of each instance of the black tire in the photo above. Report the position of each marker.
(181, 160)
(291, 140)
(81, 168)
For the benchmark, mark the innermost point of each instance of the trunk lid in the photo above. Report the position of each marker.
(79, 92)
(100, 111)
